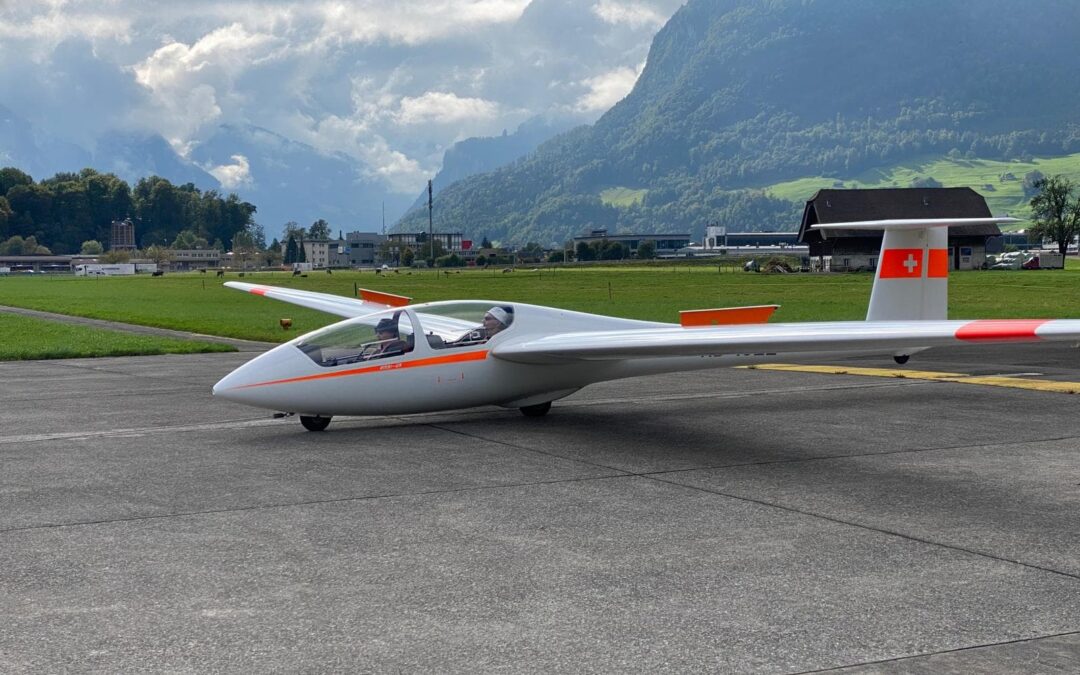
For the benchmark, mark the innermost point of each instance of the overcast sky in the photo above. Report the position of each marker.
(391, 83)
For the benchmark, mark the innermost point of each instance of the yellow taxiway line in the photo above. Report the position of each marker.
(961, 378)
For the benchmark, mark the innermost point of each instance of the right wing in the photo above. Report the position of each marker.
(371, 301)
(778, 338)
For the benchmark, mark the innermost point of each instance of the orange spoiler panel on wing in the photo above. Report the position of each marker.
(726, 316)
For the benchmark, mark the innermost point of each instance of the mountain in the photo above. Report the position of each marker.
(737, 95)
(482, 154)
(292, 181)
(37, 153)
(132, 156)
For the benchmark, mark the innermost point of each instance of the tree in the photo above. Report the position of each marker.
(485, 244)
(646, 250)
(10, 177)
(320, 229)
(407, 257)
(115, 257)
(291, 253)
(585, 252)
(91, 247)
(1056, 211)
(5, 215)
(158, 254)
(532, 252)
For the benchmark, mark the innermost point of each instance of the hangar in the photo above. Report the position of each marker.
(851, 250)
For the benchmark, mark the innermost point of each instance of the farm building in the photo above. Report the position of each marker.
(852, 250)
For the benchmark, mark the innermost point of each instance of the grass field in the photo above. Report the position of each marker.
(201, 304)
(622, 197)
(1005, 198)
(23, 338)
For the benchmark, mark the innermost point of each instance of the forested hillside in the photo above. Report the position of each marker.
(62, 212)
(738, 95)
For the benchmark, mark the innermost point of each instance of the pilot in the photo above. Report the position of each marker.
(390, 343)
(497, 319)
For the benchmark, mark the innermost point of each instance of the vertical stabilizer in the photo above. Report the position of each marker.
(912, 279)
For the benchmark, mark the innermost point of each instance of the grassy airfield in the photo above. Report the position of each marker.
(199, 303)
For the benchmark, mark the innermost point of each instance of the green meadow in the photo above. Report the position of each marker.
(1002, 196)
(23, 338)
(201, 304)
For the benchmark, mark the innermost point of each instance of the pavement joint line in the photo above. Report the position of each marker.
(313, 502)
(1014, 381)
(871, 528)
(911, 657)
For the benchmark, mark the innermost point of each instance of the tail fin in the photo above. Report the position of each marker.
(913, 269)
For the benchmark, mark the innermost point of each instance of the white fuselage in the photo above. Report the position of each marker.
(427, 379)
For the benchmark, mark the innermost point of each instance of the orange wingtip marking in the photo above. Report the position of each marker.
(259, 290)
(419, 363)
(1000, 330)
(726, 316)
(384, 298)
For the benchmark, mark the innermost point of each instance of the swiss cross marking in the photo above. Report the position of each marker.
(911, 263)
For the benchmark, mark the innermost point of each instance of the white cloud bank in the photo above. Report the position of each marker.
(391, 84)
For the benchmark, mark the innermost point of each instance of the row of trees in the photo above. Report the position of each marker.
(64, 211)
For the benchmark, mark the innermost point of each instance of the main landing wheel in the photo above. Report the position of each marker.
(538, 410)
(902, 359)
(315, 423)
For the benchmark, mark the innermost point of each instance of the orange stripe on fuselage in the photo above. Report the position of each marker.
(1000, 330)
(419, 363)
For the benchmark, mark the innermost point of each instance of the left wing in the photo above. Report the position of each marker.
(370, 301)
(833, 336)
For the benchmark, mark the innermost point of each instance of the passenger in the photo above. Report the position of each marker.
(497, 319)
(390, 343)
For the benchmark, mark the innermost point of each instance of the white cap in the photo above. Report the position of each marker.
(500, 315)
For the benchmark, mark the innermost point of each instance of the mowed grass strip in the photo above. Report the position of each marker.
(201, 304)
(26, 338)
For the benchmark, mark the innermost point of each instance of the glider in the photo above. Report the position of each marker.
(391, 357)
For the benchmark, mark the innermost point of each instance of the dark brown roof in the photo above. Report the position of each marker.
(838, 206)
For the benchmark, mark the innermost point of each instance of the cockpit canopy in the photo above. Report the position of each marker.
(366, 338)
(463, 324)
(390, 333)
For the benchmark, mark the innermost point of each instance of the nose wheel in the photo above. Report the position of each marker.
(316, 423)
(538, 410)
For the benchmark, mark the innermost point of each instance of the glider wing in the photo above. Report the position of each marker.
(325, 302)
(779, 338)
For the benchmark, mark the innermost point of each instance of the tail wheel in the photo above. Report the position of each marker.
(316, 423)
(538, 410)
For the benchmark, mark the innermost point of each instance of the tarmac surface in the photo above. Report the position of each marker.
(725, 521)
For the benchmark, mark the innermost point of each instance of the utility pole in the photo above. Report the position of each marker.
(384, 219)
(431, 231)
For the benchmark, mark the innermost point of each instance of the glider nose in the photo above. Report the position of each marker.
(253, 382)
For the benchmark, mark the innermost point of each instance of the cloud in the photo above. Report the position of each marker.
(634, 14)
(187, 82)
(444, 108)
(235, 175)
(607, 89)
(390, 84)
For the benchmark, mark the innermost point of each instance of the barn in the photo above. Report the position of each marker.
(853, 250)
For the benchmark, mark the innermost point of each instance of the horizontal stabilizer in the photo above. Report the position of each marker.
(911, 223)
